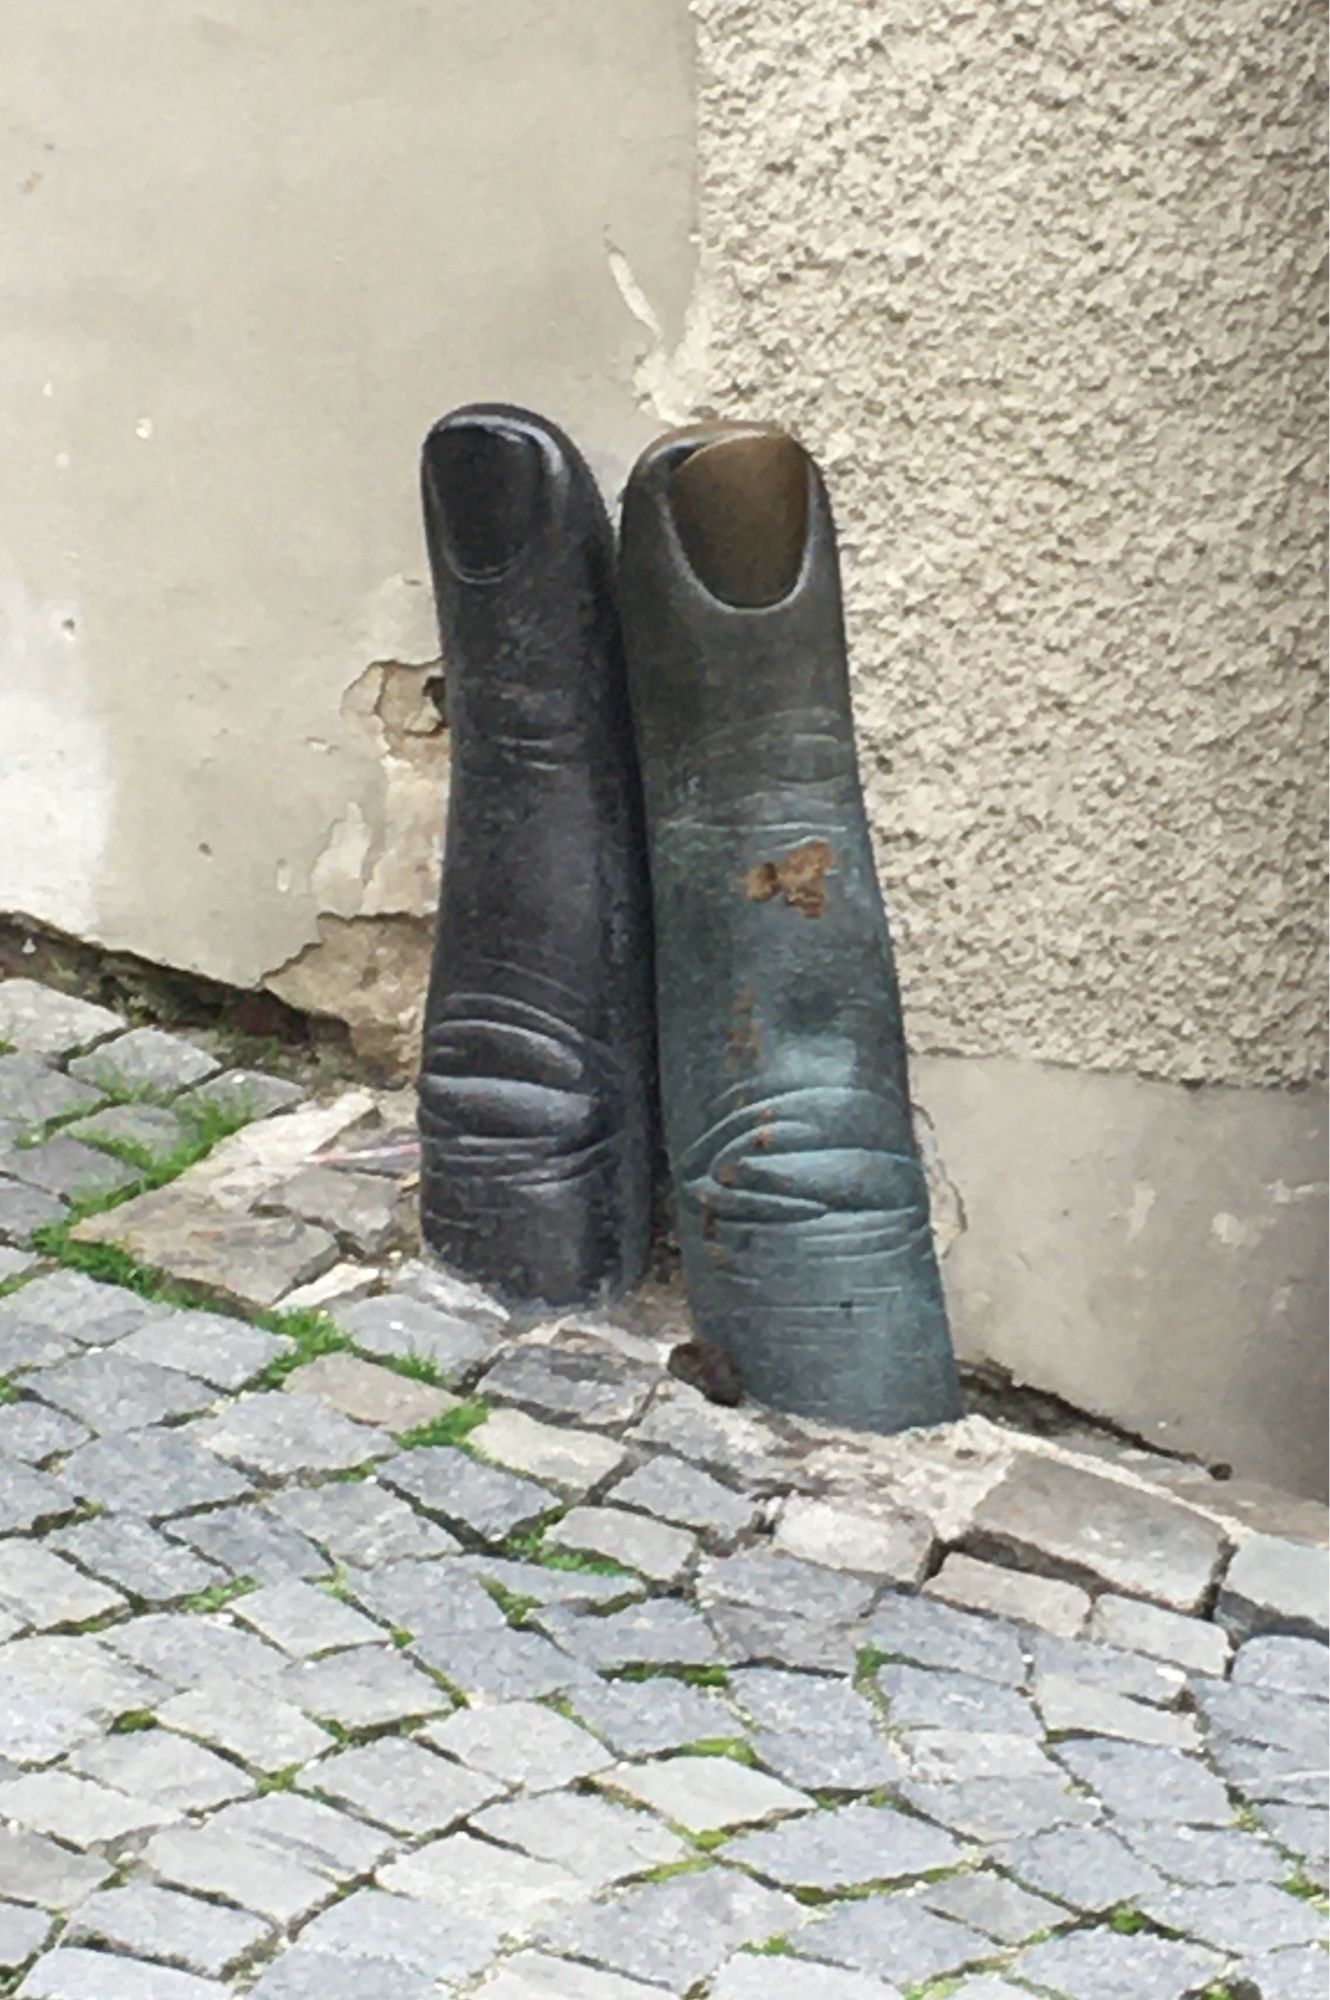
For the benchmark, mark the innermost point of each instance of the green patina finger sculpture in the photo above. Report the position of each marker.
(803, 1211)
(536, 1080)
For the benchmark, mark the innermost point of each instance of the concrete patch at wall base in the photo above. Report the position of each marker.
(1153, 1253)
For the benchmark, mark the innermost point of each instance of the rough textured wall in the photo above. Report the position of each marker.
(1040, 284)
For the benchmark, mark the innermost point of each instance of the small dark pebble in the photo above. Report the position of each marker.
(709, 1369)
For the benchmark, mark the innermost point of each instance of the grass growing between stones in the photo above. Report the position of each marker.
(219, 1595)
(134, 1722)
(515, 1607)
(311, 1334)
(278, 1781)
(8, 1390)
(698, 1677)
(1297, 1884)
(778, 1946)
(734, 1747)
(452, 1427)
(203, 1125)
(530, 1546)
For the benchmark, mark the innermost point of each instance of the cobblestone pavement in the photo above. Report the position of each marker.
(358, 1641)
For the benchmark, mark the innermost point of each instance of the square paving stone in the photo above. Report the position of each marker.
(146, 1059)
(1206, 1855)
(305, 1831)
(66, 1167)
(365, 1689)
(679, 1931)
(1294, 1666)
(1305, 1831)
(576, 1589)
(992, 1809)
(1273, 1585)
(477, 1501)
(438, 1594)
(247, 1722)
(1045, 1601)
(305, 1621)
(156, 1473)
(923, 1698)
(35, 1727)
(935, 1635)
(847, 1848)
(185, 1650)
(31, 1091)
(1268, 1772)
(359, 1209)
(369, 1394)
(752, 1976)
(1262, 1919)
(500, 1664)
(1264, 1715)
(1074, 1708)
(815, 1733)
(251, 1091)
(150, 1127)
(77, 1811)
(747, 1636)
(770, 1582)
(1106, 1965)
(1059, 1518)
(865, 1535)
(532, 1975)
(1284, 1975)
(633, 1540)
(401, 1785)
(472, 1879)
(251, 1260)
(372, 1925)
(36, 1870)
(1090, 1868)
(43, 1590)
(948, 1756)
(731, 1443)
(1002, 1910)
(33, 1432)
(1107, 1667)
(301, 1974)
(663, 1632)
(599, 1841)
(361, 1523)
(41, 1021)
(72, 1973)
(165, 1769)
(83, 1672)
(26, 1343)
(703, 1793)
(586, 1383)
(894, 1936)
(573, 1460)
(641, 1718)
(22, 1933)
(211, 1346)
(160, 1924)
(399, 1326)
(283, 1435)
(82, 1308)
(520, 1743)
(250, 1541)
(24, 1209)
(30, 1499)
(213, 1862)
(110, 1392)
(1139, 1783)
(1136, 1627)
(673, 1490)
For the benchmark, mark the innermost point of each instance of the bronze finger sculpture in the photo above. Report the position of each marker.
(536, 1080)
(803, 1211)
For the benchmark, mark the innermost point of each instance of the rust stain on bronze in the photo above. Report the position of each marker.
(799, 876)
(742, 1041)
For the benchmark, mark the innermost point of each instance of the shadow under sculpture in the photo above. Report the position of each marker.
(803, 1210)
(536, 1081)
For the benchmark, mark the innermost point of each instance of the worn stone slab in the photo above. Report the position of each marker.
(663, 1632)
(312, 1835)
(369, 1394)
(585, 1383)
(29, 1499)
(279, 1435)
(816, 1734)
(1261, 1919)
(41, 1589)
(472, 1879)
(1089, 1868)
(341, 1284)
(520, 1743)
(391, 1324)
(211, 1346)
(861, 1535)
(1295, 1666)
(1144, 1783)
(1265, 1715)
(927, 1698)
(1273, 1585)
(1026, 1599)
(988, 1810)
(755, 1976)
(251, 1091)
(248, 1541)
(1137, 1627)
(147, 1060)
(359, 1209)
(163, 1768)
(846, 1848)
(421, 1278)
(41, 1021)
(31, 1091)
(66, 1167)
(676, 1932)
(252, 1260)
(37, 1870)
(302, 1974)
(155, 1923)
(23, 1932)
(533, 1975)
(305, 1621)
(633, 1540)
(25, 1209)
(770, 1582)
(642, 1718)
(1048, 1515)
(1099, 1666)
(372, 1926)
(1205, 1856)
(83, 1309)
(160, 1472)
(573, 1460)
(34, 1433)
(361, 1523)
(599, 1841)
(402, 1786)
(672, 1490)
(1075, 1708)
(188, 1650)
(111, 1392)
(1106, 1965)
(36, 1725)
(703, 1792)
(73, 1973)
(213, 1861)
(365, 1689)
(893, 1935)
(929, 1634)
(247, 1722)
(1001, 1909)
(76, 1810)
(479, 1502)
(83, 1671)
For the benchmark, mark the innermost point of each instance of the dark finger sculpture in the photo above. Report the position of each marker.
(536, 1079)
(803, 1212)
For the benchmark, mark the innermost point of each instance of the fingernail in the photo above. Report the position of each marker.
(741, 508)
(484, 482)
